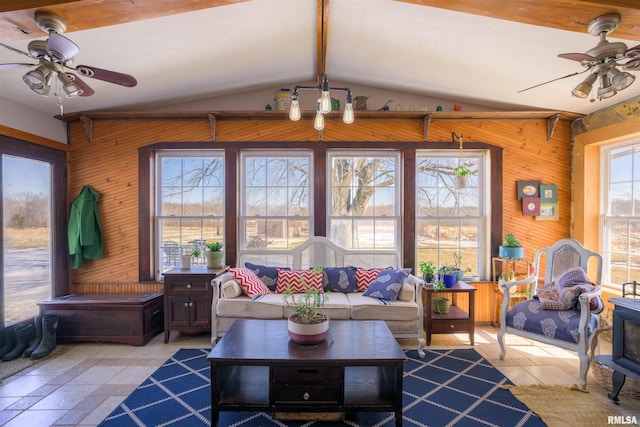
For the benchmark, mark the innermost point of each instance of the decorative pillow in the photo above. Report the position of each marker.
(407, 293)
(300, 281)
(268, 275)
(574, 282)
(573, 276)
(364, 278)
(549, 296)
(230, 289)
(340, 279)
(249, 282)
(387, 285)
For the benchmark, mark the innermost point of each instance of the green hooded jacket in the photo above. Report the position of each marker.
(85, 231)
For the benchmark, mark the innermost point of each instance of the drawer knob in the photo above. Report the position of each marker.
(189, 286)
(305, 396)
(452, 327)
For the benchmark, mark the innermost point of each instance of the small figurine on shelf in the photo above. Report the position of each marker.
(456, 107)
(268, 107)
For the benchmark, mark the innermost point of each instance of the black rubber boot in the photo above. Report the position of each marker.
(23, 335)
(37, 321)
(48, 342)
(8, 340)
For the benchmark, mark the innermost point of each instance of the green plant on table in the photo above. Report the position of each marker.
(214, 246)
(196, 252)
(306, 305)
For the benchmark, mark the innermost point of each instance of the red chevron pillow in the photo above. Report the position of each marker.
(249, 282)
(300, 281)
(364, 278)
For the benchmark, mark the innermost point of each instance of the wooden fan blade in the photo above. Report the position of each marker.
(633, 52)
(580, 57)
(86, 89)
(107, 75)
(15, 65)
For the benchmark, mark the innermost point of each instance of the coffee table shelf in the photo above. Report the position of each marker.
(254, 367)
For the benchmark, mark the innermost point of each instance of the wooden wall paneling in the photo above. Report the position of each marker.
(113, 154)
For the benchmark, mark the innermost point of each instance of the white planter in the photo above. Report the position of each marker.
(185, 261)
(301, 333)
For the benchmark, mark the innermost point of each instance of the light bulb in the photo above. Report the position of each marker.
(347, 117)
(294, 111)
(325, 102)
(318, 122)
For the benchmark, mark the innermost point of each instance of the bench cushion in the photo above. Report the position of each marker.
(368, 308)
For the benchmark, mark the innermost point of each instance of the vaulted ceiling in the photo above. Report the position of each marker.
(478, 52)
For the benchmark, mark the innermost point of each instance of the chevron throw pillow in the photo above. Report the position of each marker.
(364, 277)
(300, 281)
(249, 282)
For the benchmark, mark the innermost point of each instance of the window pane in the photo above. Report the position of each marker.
(190, 199)
(27, 236)
(275, 202)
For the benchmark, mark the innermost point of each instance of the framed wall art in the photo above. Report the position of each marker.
(530, 206)
(548, 212)
(548, 193)
(528, 189)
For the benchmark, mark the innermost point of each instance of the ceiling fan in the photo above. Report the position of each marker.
(54, 57)
(603, 61)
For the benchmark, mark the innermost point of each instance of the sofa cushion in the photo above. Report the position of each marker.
(300, 281)
(387, 285)
(269, 275)
(367, 308)
(268, 306)
(336, 306)
(340, 279)
(249, 282)
(407, 293)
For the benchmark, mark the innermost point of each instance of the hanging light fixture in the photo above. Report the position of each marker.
(323, 105)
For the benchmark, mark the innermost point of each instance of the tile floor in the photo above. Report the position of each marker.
(79, 385)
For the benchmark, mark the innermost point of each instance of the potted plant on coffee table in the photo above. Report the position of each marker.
(308, 325)
(215, 256)
(511, 247)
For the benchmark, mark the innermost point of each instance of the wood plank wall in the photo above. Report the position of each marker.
(109, 164)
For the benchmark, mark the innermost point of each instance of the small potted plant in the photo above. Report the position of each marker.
(511, 247)
(215, 256)
(428, 270)
(447, 276)
(441, 304)
(461, 173)
(457, 266)
(308, 325)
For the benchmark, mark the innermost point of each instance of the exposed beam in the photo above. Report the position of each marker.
(569, 15)
(323, 30)
(16, 17)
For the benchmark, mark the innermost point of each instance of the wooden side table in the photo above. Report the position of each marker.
(458, 319)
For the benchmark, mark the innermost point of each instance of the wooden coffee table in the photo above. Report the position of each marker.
(358, 368)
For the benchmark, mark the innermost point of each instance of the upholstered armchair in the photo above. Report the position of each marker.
(563, 311)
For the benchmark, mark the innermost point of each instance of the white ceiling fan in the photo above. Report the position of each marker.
(54, 58)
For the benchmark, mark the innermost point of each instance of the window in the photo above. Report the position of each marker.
(452, 216)
(364, 210)
(189, 204)
(275, 199)
(621, 213)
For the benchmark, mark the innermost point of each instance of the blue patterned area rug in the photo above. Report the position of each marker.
(446, 388)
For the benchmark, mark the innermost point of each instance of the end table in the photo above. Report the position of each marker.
(458, 319)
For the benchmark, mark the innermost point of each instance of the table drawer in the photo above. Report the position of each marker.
(305, 394)
(450, 326)
(188, 284)
(306, 374)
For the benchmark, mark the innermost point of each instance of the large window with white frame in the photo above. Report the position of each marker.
(275, 199)
(364, 210)
(453, 213)
(620, 218)
(189, 197)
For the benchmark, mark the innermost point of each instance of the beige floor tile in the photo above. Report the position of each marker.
(5, 402)
(518, 375)
(132, 375)
(40, 418)
(66, 397)
(97, 375)
(551, 374)
(23, 385)
(100, 413)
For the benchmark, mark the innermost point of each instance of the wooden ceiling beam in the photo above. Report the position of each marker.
(569, 15)
(17, 23)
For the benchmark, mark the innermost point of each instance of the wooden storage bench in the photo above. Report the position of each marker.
(129, 318)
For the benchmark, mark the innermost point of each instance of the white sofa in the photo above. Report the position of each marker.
(403, 316)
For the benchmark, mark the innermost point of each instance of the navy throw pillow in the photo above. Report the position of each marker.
(340, 279)
(387, 285)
